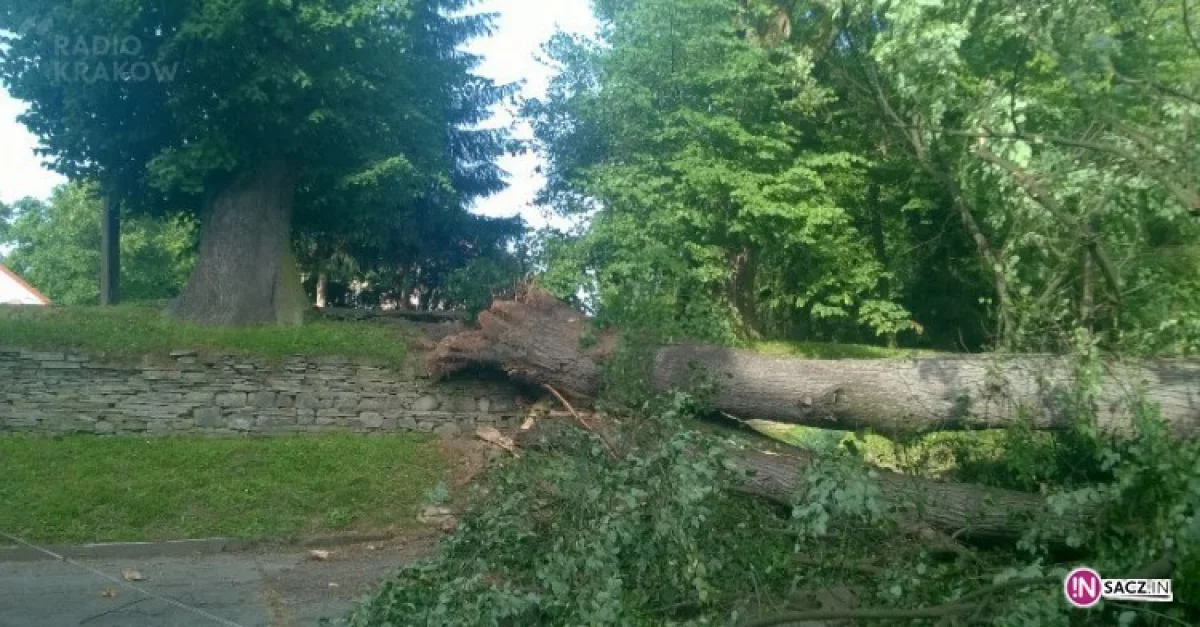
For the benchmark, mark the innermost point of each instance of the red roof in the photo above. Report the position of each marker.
(32, 290)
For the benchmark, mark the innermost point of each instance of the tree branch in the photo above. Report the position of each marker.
(1187, 27)
(1045, 197)
(1166, 89)
(1187, 196)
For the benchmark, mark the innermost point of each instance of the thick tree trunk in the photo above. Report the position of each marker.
(539, 340)
(110, 251)
(246, 273)
(931, 394)
(916, 504)
(321, 289)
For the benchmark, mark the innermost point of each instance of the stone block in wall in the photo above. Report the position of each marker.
(202, 398)
(448, 430)
(61, 365)
(162, 375)
(336, 414)
(426, 403)
(504, 403)
(263, 398)
(207, 417)
(158, 426)
(370, 404)
(307, 400)
(43, 355)
(371, 420)
(306, 416)
(461, 404)
(346, 401)
(272, 421)
(289, 386)
(231, 399)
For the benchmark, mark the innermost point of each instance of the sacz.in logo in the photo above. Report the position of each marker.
(1084, 588)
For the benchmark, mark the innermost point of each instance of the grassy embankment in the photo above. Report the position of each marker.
(135, 330)
(88, 489)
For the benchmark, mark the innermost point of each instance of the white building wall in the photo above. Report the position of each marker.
(12, 292)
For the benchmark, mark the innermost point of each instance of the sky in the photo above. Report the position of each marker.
(509, 56)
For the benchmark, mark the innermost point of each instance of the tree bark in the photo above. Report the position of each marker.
(321, 288)
(110, 251)
(539, 340)
(246, 272)
(915, 504)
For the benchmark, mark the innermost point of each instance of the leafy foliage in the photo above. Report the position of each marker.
(583, 539)
(716, 201)
(949, 173)
(569, 535)
(430, 261)
(56, 246)
(372, 109)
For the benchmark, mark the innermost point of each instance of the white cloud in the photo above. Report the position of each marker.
(21, 171)
(511, 56)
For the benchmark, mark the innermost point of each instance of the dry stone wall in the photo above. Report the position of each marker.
(71, 392)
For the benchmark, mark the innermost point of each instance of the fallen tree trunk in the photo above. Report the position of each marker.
(539, 340)
(916, 504)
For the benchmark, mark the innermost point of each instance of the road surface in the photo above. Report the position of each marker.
(268, 589)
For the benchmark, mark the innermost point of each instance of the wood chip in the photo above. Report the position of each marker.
(492, 435)
(129, 574)
(318, 555)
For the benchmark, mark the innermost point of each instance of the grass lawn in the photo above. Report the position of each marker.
(134, 330)
(87, 489)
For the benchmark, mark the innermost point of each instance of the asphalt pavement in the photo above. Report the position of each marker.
(275, 589)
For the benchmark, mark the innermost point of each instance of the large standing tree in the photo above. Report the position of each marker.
(260, 116)
(1003, 171)
(697, 137)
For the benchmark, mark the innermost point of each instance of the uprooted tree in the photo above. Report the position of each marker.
(539, 340)
(263, 119)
